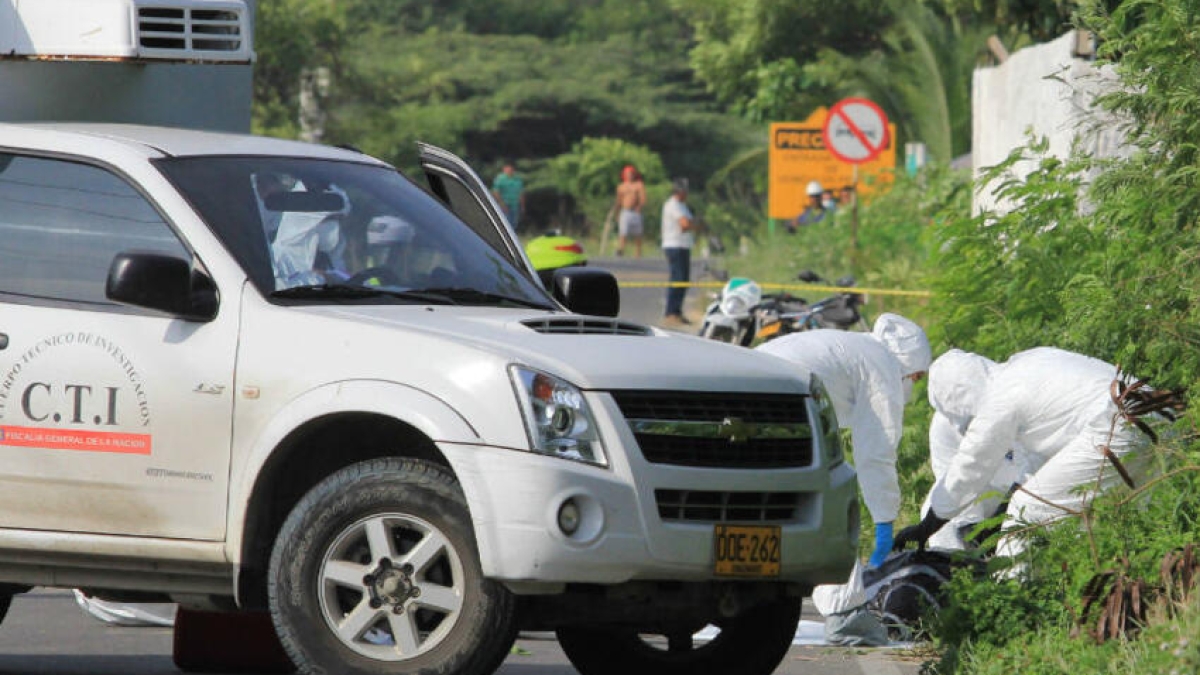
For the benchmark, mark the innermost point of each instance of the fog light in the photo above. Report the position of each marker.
(568, 517)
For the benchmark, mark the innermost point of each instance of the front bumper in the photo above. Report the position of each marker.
(515, 497)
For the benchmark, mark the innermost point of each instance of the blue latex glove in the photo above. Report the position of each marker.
(883, 544)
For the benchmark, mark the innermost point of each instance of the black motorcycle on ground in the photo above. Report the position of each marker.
(782, 313)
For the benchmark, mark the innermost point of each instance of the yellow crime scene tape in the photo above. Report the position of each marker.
(779, 287)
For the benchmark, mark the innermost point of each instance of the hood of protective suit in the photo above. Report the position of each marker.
(905, 340)
(956, 383)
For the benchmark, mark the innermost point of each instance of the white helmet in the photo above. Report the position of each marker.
(814, 189)
(905, 340)
(386, 230)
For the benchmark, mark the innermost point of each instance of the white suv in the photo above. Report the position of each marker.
(257, 374)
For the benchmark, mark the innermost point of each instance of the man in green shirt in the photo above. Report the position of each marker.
(509, 189)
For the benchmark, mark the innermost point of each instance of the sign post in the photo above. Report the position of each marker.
(856, 132)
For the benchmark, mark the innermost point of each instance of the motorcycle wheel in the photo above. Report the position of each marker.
(712, 331)
(745, 335)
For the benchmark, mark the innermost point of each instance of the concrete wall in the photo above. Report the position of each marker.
(1046, 91)
(192, 95)
(215, 97)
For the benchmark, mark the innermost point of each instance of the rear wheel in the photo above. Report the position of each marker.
(377, 571)
(752, 643)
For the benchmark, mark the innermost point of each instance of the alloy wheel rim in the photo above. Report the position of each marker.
(391, 587)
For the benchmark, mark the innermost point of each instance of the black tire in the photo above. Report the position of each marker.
(752, 643)
(712, 331)
(745, 334)
(338, 607)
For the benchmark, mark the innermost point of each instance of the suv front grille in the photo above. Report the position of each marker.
(719, 430)
(715, 507)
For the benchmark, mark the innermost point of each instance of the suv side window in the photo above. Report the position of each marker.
(61, 224)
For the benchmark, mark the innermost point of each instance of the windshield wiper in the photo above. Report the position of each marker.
(353, 292)
(330, 291)
(476, 296)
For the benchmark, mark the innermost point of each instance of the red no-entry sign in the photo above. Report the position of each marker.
(856, 130)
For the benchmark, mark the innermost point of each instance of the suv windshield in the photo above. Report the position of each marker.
(309, 230)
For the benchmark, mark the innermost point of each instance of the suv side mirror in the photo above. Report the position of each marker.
(586, 290)
(162, 282)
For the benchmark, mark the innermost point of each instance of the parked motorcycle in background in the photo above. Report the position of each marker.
(730, 317)
(782, 313)
(742, 314)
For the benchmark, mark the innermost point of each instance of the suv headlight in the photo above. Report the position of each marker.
(831, 436)
(557, 417)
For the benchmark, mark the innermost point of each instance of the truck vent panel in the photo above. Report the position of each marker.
(722, 507)
(177, 32)
(719, 430)
(585, 326)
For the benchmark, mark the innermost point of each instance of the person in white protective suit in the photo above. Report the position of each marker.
(869, 379)
(301, 236)
(1059, 408)
(956, 380)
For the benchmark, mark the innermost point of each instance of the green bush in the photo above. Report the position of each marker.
(1096, 256)
(591, 171)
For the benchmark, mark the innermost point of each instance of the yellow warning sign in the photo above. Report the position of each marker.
(798, 155)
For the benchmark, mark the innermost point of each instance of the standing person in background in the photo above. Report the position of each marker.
(509, 189)
(813, 211)
(631, 197)
(677, 239)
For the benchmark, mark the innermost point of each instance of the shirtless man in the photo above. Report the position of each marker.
(631, 197)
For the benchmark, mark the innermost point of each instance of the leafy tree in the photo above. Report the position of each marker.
(497, 97)
(1097, 256)
(1042, 20)
(921, 74)
(291, 36)
(591, 170)
(746, 50)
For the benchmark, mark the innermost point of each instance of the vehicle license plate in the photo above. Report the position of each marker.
(746, 550)
(768, 330)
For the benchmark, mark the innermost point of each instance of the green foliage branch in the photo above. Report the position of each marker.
(1097, 256)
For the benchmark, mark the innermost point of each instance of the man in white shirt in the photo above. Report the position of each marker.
(677, 239)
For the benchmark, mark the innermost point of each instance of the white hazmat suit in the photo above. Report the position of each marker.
(956, 380)
(1057, 407)
(304, 234)
(868, 378)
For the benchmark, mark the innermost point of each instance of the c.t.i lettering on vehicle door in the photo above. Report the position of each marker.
(44, 405)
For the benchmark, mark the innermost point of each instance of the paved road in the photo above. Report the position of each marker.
(645, 305)
(45, 633)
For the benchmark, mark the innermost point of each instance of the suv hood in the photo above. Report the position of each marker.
(587, 351)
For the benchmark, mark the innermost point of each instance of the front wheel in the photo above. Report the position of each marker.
(376, 571)
(716, 332)
(752, 643)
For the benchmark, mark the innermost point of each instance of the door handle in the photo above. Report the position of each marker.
(3, 340)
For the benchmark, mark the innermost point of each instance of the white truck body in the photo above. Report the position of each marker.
(161, 452)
